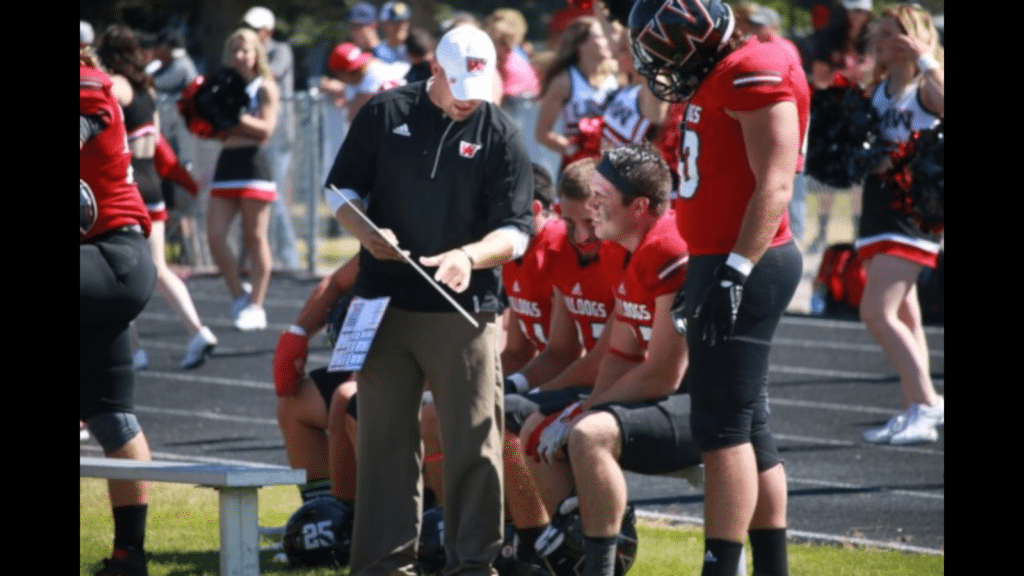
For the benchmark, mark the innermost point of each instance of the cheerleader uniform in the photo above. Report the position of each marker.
(884, 227)
(244, 172)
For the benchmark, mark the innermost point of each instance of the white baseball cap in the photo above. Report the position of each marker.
(857, 5)
(259, 18)
(466, 53)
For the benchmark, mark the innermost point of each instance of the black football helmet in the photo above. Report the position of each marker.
(676, 43)
(87, 208)
(319, 533)
(561, 543)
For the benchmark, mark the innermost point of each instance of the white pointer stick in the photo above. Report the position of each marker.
(410, 261)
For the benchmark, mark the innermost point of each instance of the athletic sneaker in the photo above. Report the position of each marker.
(140, 359)
(239, 304)
(252, 317)
(884, 434)
(198, 348)
(124, 563)
(920, 425)
(83, 432)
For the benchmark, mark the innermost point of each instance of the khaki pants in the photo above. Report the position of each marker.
(463, 369)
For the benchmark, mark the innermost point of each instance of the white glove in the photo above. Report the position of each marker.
(554, 437)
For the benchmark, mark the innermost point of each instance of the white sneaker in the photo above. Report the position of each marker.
(884, 434)
(252, 317)
(140, 360)
(920, 425)
(83, 432)
(198, 347)
(241, 302)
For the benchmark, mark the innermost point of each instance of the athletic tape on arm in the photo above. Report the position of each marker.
(336, 198)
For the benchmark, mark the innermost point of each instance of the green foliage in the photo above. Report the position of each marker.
(182, 538)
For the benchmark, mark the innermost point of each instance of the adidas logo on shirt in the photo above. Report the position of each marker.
(515, 286)
(402, 130)
(577, 290)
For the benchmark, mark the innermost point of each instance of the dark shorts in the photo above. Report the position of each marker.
(655, 435)
(728, 382)
(327, 382)
(518, 407)
(244, 173)
(116, 279)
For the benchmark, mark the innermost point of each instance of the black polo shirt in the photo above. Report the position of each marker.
(437, 184)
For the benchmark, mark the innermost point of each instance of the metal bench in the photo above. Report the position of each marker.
(237, 485)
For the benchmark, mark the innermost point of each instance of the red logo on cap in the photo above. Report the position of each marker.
(467, 150)
(475, 64)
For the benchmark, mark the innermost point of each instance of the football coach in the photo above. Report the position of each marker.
(443, 174)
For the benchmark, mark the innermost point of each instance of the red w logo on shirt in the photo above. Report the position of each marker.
(467, 150)
(475, 64)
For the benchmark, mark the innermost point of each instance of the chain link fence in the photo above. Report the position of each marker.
(304, 236)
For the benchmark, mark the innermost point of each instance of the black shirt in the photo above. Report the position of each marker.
(437, 184)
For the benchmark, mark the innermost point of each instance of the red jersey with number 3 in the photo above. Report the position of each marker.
(586, 288)
(105, 161)
(716, 181)
(528, 284)
(656, 268)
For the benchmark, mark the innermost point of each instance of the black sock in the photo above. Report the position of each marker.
(768, 547)
(525, 549)
(721, 557)
(599, 556)
(130, 526)
(315, 489)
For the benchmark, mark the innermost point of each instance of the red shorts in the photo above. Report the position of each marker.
(914, 250)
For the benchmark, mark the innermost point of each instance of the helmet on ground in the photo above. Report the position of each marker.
(561, 543)
(676, 43)
(319, 533)
(431, 549)
(87, 208)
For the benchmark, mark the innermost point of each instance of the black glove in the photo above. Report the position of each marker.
(716, 313)
(678, 311)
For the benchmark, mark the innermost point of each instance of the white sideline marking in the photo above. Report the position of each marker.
(843, 346)
(815, 536)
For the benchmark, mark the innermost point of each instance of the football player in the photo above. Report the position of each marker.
(633, 418)
(746, 111)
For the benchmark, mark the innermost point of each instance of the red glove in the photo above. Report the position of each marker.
(290, 363)
(169, 168)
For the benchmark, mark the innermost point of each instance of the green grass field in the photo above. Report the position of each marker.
(182, 539)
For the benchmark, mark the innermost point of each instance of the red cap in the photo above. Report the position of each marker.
(347, 57)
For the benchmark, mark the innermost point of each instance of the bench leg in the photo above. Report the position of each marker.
(239, 543)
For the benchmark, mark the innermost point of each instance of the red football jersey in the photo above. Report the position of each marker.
(716, 181)
(105, 161)
(528, 284)
(656, 268)
(587, 289)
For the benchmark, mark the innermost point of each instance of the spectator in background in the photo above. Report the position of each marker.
(419, 47)
(281, 60)
(768, 28)
(176, 69)
(910, 96)
(363, 74)
(841, 58)
(507, 28)
(394, 23)
(86, 35)
(574, 90)
(362, 26)
(743, 12)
